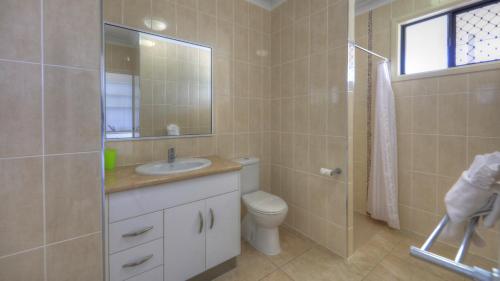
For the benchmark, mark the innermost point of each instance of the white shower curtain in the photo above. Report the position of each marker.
(383, 187)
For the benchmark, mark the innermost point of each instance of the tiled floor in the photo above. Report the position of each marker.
(383, 257)
(365, 228)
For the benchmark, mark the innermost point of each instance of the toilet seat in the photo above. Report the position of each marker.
(264, 203)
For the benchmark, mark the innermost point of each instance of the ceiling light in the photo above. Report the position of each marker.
(155, 24)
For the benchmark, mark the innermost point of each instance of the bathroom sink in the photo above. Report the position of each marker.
(180, 165)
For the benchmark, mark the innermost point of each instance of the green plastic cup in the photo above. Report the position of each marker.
(109, 158)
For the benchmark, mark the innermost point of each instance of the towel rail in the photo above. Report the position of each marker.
(472, 272)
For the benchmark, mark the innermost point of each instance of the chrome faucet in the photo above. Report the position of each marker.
(171, 155)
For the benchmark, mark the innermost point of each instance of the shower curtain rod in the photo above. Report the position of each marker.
(368, 51)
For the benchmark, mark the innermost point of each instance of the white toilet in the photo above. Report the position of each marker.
(265, 211)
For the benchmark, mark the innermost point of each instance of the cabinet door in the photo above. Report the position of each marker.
(184, 241)
(223, 228)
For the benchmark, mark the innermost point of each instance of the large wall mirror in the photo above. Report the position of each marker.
(155, 86)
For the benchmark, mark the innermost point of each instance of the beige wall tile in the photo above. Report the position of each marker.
(225, 146)
(20, 21)
(337, 203)
(301, 77)
(301, 9)
(477, 146)
(287, 150)
(224, 37)
(21, 267)
(21, 205)
(426, 86)
(241, 12)
(241, 79)
(193, 4)
(319, 75)
(301, 38)
(319, 32)
(452, 156)
(336, 237)
(287, 44)
(337, 24)
(318, 196)
(453, 84)
(301, 114)
(241, 115)
(486, 81)
(484, 118)
(225, 9)
(287, 80)
(401, 8)
(78, 259)
(72, 195)
(425, 153)
(444, 185)
(337, 114)
(318, 114)
(287, 115)
(208, 7)
(165, 11)
(382, 18)
(255, 115)
(405, 187)
(71, 33)
(241, 145)
(424, 192)
(112, 11)
(424, 111)
(404, 114)
(187, 23)
(136, 13)
(72, 119)
(317, 156)
(452, 116)
(20, 103)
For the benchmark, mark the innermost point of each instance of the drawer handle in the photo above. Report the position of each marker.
(139, 262)
(201, 222)
(138, 232)
(212, 218)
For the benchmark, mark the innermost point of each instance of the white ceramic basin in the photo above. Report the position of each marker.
(180, 165)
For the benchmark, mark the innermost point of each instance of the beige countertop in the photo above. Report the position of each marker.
(125, 178)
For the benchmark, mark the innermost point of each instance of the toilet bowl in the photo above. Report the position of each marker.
(266, 212)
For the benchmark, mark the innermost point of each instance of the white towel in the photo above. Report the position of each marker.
(470, 193)
(490, 220)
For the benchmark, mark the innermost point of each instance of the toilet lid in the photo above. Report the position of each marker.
(264, 202)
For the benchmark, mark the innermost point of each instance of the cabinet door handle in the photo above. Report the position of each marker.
(201, 222)
(138, 262)
(138, 232)
(212, 218)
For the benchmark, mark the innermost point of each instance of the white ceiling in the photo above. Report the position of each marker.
(362, 6)
(267, 4)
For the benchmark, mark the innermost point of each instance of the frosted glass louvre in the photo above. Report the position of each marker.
(426, 46)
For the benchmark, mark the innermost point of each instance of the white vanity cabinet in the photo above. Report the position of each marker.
(181, 229)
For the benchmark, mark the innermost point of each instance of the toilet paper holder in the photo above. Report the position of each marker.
(330, 172)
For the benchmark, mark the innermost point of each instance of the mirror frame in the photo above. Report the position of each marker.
(103, 77)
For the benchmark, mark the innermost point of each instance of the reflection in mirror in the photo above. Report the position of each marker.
(156, 86)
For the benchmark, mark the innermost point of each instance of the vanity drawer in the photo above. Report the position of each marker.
(136, 260)
(132, 232)
(152, 275)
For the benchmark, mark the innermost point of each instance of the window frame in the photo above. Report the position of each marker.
(451, 14)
